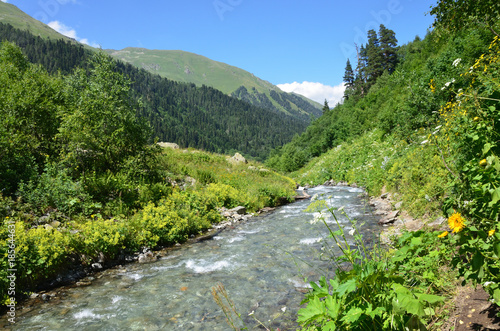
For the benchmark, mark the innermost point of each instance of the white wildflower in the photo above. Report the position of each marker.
(317, 217)
(456, 62)
(314, 197)
(251, 313)
(352, 232)
(471, 69)
(438, 127)
(446, 85)
(487, 284)
(341, 208)
(283, 309)
(424, 142)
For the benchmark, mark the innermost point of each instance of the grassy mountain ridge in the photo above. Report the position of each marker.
(10, 14)
(193, 68)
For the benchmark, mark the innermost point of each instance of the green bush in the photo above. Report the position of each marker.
(55, 189)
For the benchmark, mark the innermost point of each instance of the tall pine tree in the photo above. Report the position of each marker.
(348, 80)
(388, 48)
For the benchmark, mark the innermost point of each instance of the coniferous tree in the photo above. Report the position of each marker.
(374, 68)
(326, 107)
(348, 80)
(388, 48)
(361, 76)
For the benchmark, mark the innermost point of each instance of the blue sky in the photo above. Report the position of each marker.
(296, 44)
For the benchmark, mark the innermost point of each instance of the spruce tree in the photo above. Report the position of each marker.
(388, 47)
(348, 80)
(374, 68)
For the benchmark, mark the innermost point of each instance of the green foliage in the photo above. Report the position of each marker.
(469, 139)
(456, 14)
(373, 289)
(39, 253)
(55, 189)
(29, 100)
(99, 129)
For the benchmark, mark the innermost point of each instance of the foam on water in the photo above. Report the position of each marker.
(203, 266)
(311, 241)
(86, 313)
(237, 238)
(116, 298)
(135, 276)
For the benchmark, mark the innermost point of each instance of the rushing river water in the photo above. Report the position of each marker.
(261, 263)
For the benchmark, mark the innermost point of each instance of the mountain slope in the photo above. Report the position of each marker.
(192, 68)
(10, 14)
(200, 117)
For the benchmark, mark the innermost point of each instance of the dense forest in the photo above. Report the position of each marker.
(203, 117)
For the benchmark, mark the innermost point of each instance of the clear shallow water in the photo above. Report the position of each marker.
(261, 263)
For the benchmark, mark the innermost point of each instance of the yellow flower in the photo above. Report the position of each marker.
(483, 163)
(456, 223)
(491, 232)
(444, 234)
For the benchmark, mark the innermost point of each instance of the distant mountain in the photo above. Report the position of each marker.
(200, 117)
(192, 68)
(10, 14)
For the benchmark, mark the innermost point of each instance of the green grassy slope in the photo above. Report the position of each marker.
(10, 14)
(193, 68)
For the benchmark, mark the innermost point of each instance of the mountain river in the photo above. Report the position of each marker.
(261, 263)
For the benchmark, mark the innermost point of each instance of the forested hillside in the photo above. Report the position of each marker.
(192, 68)
(421, 125)
(191, 116)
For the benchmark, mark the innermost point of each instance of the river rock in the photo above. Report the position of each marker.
(83, 283)
(146, 257)
(390, 218)
(238, 210)
(96, 266)
(168, 145)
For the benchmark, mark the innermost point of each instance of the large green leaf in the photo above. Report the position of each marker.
(314, 310)
(346, 287)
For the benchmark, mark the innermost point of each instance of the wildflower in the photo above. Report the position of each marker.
(251, 313)
(283, 309)
(476, 119)
(424, 142)
(314, 197)
(483, 163)
(352, 232)
(317, 217)
(341, 208)
(456, 62)
(444, 234)
(456, 222)
(487, 284)
(491, 232)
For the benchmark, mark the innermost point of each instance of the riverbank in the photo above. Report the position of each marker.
(80, 275)
(469, 308)
(248, 258)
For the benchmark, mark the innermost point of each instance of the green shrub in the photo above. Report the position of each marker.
(55, 189)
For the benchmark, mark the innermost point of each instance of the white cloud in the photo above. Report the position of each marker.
(5, 1)
(316, 91)
(69, 32)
